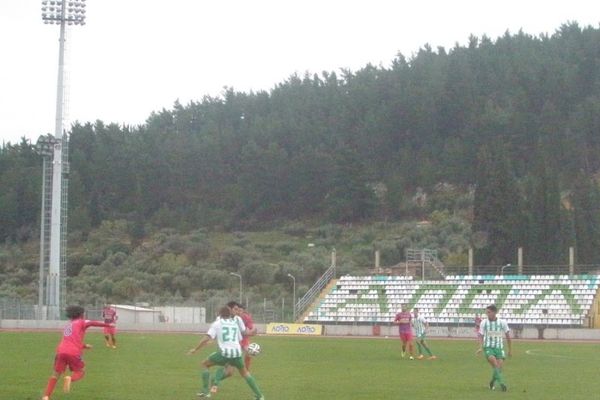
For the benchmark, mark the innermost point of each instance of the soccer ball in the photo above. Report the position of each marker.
(254, 349)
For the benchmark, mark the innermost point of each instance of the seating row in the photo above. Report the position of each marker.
(525, 300)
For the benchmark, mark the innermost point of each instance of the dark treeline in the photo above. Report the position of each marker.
(518, 118)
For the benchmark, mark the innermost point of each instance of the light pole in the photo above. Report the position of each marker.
(240, 277)
(294, 298)
(502, 269)
(63, 13)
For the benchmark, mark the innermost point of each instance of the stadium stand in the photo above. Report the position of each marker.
(557, 300)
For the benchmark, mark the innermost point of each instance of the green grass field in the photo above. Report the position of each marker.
(155, 367)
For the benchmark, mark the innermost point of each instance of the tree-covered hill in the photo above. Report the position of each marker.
(516, 118)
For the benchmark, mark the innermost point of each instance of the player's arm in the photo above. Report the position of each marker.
(98, 324)
(509, 343)
(396, 321)
(200, 345)
(249, 332)
(480, 339)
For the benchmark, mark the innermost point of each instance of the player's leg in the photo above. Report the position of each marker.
(212, 360)
(76, 365)
(113, 340)
(424, 345)
(60, 366)
(403, 341)
(491, 359)
(499, 364)
(420, 349)
(51, 385)
(411, 346)
(249, 380)
(247, 360)
(215, 359)
(221, 374)
(107, 340)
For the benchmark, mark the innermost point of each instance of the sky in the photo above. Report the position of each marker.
(138, 56)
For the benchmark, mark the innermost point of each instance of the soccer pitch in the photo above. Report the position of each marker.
(156, 367)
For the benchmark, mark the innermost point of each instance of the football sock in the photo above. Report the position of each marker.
(50, 386)
(252, 383)
(77, 375)
(419, 347)
(499, 376)
(219, 376)
(247, 361)
(205, 380)
(427, 349)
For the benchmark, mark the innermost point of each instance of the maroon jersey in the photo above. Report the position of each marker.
(73, 335)
(404, 318)
(109, 315)
(247, 318)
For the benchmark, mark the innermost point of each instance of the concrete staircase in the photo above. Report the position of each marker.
(332, 283)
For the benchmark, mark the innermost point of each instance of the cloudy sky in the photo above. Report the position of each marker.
(136, 56)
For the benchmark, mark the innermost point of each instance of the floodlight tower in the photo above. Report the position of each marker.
(62, 13)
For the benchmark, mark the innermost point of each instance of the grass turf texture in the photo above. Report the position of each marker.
(154, 366)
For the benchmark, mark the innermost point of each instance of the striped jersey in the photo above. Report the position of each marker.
(419, 324)
(493, 333)
(228, 333)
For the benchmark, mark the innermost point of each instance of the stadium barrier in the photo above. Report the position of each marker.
(294, 329)
(439, 332)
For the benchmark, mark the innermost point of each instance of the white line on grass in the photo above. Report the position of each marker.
(538, 352)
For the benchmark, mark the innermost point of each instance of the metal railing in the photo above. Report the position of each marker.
(315, 290)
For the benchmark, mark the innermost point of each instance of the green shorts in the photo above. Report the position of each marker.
(422, 336)
(492, 351)
(218, 359)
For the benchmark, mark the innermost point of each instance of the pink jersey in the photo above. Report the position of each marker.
(405, 319)
(73, 335)
(109, 315)
(247, 318)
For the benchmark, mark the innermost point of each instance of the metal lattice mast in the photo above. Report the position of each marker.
(53, 278)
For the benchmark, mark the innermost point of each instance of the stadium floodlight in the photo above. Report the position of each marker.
(294, 291)
(240, 277)
(63, 12)
(53, 260)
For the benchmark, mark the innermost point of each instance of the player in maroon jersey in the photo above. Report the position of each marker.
(477, 323)
(249, 323)
(69, 350)
(109, 315)
(403, 320)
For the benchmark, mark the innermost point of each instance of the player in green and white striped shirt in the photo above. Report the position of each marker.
(227, 330)
(420, 325)
(492, 332)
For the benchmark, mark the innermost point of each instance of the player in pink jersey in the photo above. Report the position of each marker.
(109, 315)
(403, 320)
(247, 318)
(70, 349)
(477, 323)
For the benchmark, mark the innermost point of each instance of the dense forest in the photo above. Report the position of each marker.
(504, 133)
